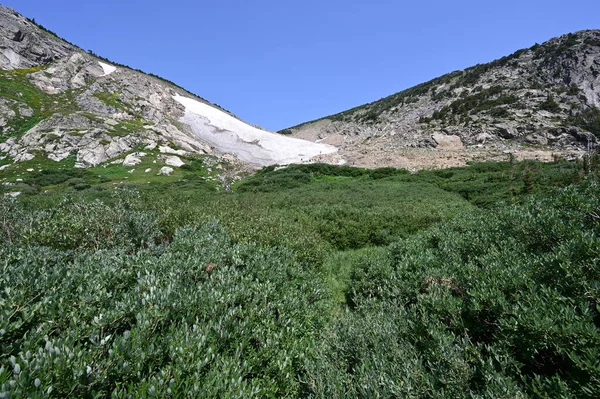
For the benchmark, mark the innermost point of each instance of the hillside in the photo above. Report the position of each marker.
(536, 101)
(57, 101)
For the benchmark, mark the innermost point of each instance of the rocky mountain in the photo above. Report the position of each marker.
(537, 102)
(58, 102)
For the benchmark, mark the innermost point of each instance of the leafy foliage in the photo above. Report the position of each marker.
(199, 315)
(307, 281)
(550, 104)
(500, 304)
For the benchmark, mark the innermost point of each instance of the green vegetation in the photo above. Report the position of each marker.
(472, 75)
(114, 100)
(588, 119)
(42, 174)
(550, 104)
(564, 47)
(502, 304)
(21, 95)
(489, 100)
(305, 281)
(592, 42)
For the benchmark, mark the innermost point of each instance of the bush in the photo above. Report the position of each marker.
(199, 315)
(550, 104)
(51, 177)
(500, 304)
(176, 291)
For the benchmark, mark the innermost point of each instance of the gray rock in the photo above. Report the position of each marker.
(505, 131)
(133, 159)
(172, 160)
(483, 137)
(165, 171)
(584, 137)
(24, 45)
(537, 139)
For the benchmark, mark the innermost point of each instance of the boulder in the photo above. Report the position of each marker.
(133, 159)
(505, 131)
(165, 171)
(165, 149)
(172, 160)
(537, 139)
(583, 137)
(447, 142)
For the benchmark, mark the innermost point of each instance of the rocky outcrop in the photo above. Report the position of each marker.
(539, 97)
(24, 45)
(69, 102)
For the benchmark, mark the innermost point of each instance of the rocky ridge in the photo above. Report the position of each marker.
(536, 102)
(57, 100)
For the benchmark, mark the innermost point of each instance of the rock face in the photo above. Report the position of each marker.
(64, 101)
(24, 45)
(546, 96)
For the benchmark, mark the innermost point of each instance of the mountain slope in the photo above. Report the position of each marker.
(546, 96)
(57, 101)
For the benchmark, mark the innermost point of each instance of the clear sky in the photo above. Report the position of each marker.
(277, 63)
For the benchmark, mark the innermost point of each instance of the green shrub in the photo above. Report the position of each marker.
(50, 177)
(494, 304)
(550, 104)
(175, 290)
(200, 316)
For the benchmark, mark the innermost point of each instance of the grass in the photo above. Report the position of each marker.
(15, 87)
(48, 175)
(126, 127)
(338, 267)
(114, 100)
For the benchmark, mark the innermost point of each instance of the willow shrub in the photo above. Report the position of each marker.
(199, 316)
(502, 303)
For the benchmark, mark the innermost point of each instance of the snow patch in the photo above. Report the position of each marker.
(108, 69)
(249, 143)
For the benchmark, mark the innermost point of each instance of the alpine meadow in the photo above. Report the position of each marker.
(443, 242)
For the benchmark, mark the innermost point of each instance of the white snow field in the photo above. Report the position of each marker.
(108, 69)
(250, 144)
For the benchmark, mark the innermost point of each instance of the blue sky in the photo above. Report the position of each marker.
(277, 63)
